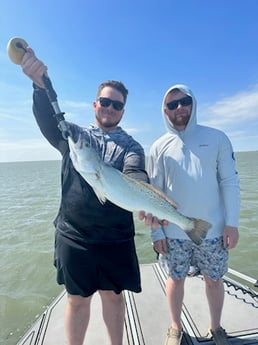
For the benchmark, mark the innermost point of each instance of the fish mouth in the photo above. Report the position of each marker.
(71, 144)
(72, 148)
(78, 144)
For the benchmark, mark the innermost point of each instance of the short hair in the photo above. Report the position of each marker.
(118, 85)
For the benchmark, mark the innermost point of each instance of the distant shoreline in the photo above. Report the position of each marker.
(59, 160)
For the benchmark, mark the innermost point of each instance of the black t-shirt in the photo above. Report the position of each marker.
(81, 216)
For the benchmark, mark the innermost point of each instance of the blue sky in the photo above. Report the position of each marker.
(212, 46)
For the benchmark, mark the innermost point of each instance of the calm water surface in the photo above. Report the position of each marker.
(30, 193)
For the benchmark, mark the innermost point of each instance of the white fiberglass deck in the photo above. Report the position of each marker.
(147, 316)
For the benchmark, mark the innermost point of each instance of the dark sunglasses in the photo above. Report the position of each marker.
(105, 102)
(185, 101)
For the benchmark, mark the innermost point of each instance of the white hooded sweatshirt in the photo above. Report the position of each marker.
(195, 168)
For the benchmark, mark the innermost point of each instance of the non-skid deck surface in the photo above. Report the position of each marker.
(147, 316)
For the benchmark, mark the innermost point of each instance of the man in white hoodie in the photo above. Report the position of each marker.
(194, 165)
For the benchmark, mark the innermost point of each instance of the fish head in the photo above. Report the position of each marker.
(82, 155)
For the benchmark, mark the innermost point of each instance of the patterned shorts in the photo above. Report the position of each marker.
(210, 257)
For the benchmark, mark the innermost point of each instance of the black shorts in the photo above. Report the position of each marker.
(85, 268)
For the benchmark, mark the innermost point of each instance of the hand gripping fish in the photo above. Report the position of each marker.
(128, 193)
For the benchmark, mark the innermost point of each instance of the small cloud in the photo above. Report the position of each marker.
(235, 109)
(77, 111)
(27, 150)
(77, 105)
(132, 130)
(21, 117)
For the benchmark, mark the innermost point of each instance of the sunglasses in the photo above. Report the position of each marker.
(105, 102)
(185, 101)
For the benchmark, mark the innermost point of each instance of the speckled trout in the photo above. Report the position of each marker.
(111, 184)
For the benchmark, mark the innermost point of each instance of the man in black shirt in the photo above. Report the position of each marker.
(94, 242)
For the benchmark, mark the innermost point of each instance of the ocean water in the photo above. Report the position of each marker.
(29, 200)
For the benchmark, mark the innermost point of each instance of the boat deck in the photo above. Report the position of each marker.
(147, 317)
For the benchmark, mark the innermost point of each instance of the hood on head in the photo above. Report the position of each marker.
(185, 89)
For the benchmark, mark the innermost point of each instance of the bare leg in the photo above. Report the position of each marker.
(175, 295)
(77, 316)
(113, 309)
(215, 296)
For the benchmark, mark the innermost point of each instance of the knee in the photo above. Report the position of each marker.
(111, 296)
(212, 284)
(175, 283)
(78, 302)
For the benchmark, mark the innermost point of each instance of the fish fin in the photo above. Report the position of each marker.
(159, 192)
(100, 196)
(199, 232)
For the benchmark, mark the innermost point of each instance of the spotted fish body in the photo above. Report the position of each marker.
(110, 184)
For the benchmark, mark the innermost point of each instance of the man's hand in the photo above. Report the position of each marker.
(33, 67)
(230, 236)
(151, 220)
(160, 246)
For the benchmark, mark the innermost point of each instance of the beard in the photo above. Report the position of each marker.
(107, 122)
(180, 120)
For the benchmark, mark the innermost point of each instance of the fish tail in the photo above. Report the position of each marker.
(199, 232)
